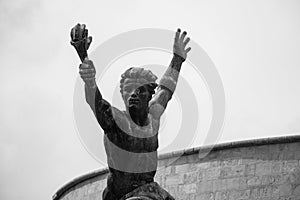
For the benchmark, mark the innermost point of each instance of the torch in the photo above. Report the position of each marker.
(80, 40)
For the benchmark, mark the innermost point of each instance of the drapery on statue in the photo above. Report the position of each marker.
(131, 136)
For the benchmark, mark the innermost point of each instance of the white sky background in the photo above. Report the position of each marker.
(255, 46)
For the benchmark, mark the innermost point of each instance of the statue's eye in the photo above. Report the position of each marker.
(127, 89)
(142, 89)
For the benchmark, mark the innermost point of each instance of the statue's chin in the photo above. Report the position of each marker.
(133, 109)
(133, 105)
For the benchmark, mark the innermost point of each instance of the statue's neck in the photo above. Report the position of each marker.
(140, 118)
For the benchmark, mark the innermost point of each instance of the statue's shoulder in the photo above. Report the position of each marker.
(116, 111)
(117, 114)
(121, 119)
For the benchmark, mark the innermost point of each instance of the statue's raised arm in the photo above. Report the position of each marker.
(80, 40)
(168, 82)
(100, 107)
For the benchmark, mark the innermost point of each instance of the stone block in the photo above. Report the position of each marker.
(193, 158)
(190, 177)
(290, 166)
(239, 195)
(229, 184)
(229, 162)
(215, 163)
(233, 171)
(173, 190)
(253, 181)
(265, 192)
(211, 173)
(296, 191)
(219, 185)
(221, 195)
(277, 167)
(280, 147)
(263, 168)
(189, 188)
(249, 170)
(202, 165)
(294, 146)
(235, 183)
(205, 196)
(254, 193)
(180, 169)
(285, 189)
(248, 160)
(294, 177)
(203, 187)
(263, 149)
(174, 179)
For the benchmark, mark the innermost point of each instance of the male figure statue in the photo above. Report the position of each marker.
(131, 136)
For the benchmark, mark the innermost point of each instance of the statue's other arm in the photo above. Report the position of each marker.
(166, 88)
(168, 82)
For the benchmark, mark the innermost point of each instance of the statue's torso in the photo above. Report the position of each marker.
(131, 152)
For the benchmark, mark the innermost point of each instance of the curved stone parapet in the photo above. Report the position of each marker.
(266, 168)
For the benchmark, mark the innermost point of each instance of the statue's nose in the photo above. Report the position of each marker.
(134, 95)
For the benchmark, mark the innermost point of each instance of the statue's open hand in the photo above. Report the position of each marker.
(180, 43)
(80, 40)
(87, 72)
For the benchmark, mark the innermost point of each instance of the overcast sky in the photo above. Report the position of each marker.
(255, 46)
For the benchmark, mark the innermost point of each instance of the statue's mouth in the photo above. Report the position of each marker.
(133, 101)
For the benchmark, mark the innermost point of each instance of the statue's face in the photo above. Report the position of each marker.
(136, 96)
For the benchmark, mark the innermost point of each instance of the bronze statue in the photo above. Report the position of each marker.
(131, 136)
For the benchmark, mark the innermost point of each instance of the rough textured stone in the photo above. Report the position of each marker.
(174, 179)
(237, 195)
(256, 172)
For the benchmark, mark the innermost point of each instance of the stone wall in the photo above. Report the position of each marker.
(267, 169)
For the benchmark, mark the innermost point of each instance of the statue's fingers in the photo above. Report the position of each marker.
(87, 75)
(81, 31)
(76, 34)
(73, 32)
(89, 79)
(186, 41)
(177, 34)
(183, 35)
(84, 71)
(88, 62)
(188, 49)
(89, 41)
(87, 70)
(83, 66)
(86, 33)
(77, 31)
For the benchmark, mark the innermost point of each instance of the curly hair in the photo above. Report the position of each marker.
(141, 75)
